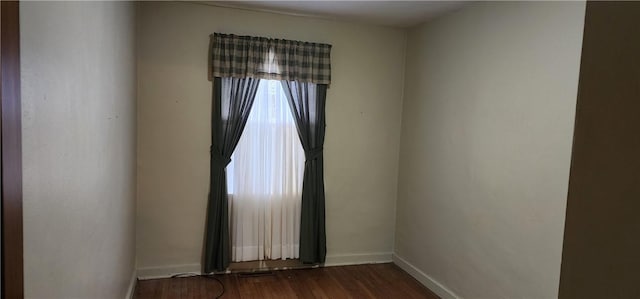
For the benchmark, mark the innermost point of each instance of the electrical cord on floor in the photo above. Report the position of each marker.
(209, 276)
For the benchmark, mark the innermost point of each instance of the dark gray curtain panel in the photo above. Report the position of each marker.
(231, 104)
(307, 102)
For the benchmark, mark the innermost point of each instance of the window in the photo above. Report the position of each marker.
(264, 181)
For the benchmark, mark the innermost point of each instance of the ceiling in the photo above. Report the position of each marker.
(387, 13)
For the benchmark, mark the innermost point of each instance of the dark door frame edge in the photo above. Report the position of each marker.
(11, 149)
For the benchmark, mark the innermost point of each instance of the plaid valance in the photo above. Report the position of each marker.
(266, 58)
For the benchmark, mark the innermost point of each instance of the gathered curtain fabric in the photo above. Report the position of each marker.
(307, 102)
(237, 63)
(232, 101)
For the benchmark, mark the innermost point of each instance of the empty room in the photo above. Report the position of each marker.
(320, 149)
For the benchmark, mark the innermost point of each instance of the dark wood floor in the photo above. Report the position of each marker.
(362, 281)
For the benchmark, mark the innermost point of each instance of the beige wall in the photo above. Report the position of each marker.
(78, 97)
(487, 128)
(174, 95)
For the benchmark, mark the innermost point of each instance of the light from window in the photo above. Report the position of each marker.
(264, 181)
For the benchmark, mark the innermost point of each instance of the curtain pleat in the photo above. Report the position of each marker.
(231, 104)
(307, 102)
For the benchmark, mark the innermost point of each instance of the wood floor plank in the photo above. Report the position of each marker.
(361, 281)
(350, 283)
(297, 282)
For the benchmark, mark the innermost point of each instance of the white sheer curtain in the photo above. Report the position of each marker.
(265, 181)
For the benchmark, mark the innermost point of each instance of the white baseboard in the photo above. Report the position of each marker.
(332, 260)
(423, 278)
(167, 271)
(357, 259)
(132, 285)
